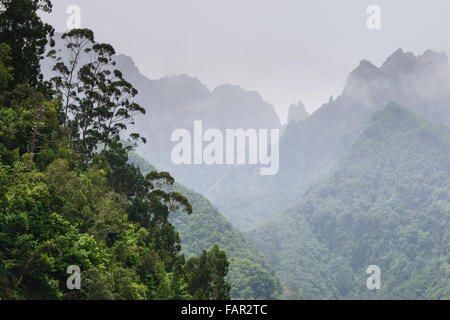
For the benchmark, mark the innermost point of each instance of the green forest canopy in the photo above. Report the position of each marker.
(386, 203)
(68, 195)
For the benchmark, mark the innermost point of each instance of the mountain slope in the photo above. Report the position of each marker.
(250, 275)
(387, 203)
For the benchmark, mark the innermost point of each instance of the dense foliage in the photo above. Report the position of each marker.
(23, 30)
(68, 194)
(387, 203)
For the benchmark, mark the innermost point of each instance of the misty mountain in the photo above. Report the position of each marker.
(309, 148)
(386, 203)
(175, 102)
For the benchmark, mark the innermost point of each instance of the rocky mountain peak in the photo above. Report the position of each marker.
(297, 112)
(401, 62)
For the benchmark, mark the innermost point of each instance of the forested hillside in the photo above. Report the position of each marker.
(387, 203)
(68, 194)
(250, 275)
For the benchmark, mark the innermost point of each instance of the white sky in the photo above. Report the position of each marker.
(288, 50)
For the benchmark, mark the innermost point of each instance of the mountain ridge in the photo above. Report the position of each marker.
(386, 202)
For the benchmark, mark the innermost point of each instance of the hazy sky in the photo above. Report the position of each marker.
(288, 50)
